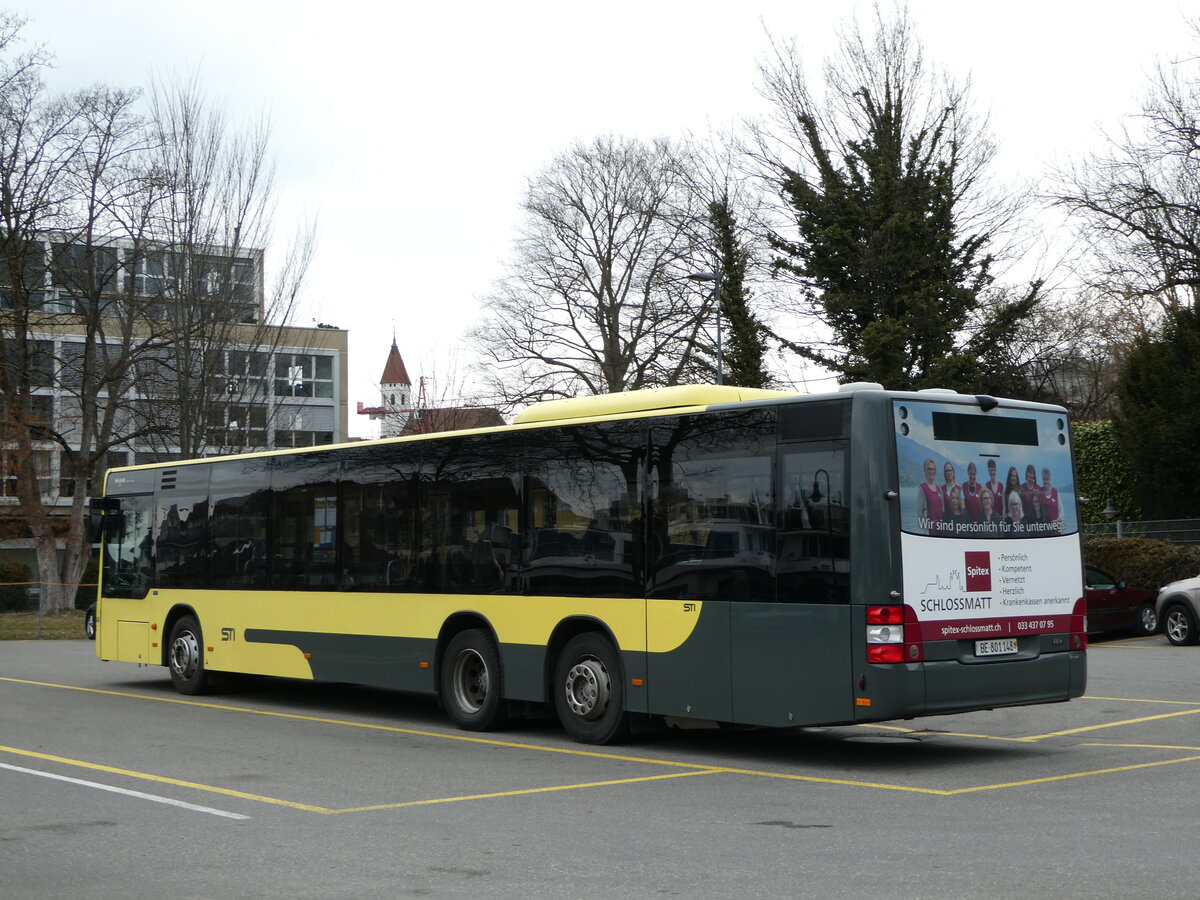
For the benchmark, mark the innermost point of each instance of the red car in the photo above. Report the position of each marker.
(1113, 605)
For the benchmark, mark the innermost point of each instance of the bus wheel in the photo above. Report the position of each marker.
(589, 691)
(185, 657)
(470, 681)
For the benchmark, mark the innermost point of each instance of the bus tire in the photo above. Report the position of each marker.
(185, 657)
(471, 685)
(1180, 625)
(589, 690)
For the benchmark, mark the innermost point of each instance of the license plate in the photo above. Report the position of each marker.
(996, 647)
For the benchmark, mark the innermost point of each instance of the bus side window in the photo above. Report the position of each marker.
(239, 500)
(469, 505)
(181, 528)
(814, 541)
(304, 520)
(129, 549)
(714, 510)
(583, 501)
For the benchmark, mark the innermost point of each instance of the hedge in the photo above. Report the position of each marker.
(1144, 562)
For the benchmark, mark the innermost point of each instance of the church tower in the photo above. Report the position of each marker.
(395, 390)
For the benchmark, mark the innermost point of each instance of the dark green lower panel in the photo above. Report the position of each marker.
(392, 662)
(523, 665)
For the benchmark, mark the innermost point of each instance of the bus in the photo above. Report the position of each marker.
(698, 554)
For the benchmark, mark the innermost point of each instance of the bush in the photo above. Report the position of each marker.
(14, 579)
(1144, 562)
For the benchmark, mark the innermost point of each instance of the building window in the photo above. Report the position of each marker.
(149, 275)
(302, 438)
(303, 375)
(224, 277)
(30, 259)
(10, 471)
(39, 364)
(39, 416)
(83, 270)
(241, 374)
(238, 425)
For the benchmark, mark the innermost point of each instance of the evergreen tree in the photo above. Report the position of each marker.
(745, 346)
(885, 239)
(1159, 390)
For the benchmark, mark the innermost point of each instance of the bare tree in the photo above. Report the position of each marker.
(65, 175)
(213, 385)
(96, 280)
(1139, 203)
(1069, 349)
(597, 300)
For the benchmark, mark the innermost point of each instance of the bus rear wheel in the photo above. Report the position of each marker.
(185, 657)
(470, 681)
(589, 691)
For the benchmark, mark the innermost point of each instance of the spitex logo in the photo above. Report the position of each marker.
(979, 570)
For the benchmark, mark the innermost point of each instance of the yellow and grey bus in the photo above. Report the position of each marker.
(699, 554)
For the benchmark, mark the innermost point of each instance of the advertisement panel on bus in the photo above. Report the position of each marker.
(989, 522)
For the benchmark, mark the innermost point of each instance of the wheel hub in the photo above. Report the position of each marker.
(588, 689)
(471, 681)
(185, 655)
(1177, 626)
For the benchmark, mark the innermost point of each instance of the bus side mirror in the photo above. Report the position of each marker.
(104, 514)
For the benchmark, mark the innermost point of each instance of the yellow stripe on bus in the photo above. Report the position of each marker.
(639, 625)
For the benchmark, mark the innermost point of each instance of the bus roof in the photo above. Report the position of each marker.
(601, 405)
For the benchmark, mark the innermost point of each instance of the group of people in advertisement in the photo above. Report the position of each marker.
(988, 509)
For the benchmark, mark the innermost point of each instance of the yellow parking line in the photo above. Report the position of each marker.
(524, 791)
(1067, 777)
(308, 807)
(570, 751)
(1141, 700)
(695, 768)
(162, 779)
(1126, 643)
(979, 737)
(393, 729)
(814, 779)
(1143, 746)
(1081, 730)
(951, 792)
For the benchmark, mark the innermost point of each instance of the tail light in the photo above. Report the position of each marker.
(893, 635)
(1079, 625)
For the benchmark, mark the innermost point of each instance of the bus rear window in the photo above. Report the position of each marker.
(965, 473)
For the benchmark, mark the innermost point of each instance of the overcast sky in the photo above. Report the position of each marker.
(409, 129)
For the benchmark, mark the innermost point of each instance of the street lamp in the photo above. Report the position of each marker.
(715, 278)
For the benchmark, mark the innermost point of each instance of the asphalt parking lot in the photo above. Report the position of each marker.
(113, 785)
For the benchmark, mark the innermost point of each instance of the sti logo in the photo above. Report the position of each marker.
(979, 570)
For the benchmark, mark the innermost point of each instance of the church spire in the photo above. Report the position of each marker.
(394, 371)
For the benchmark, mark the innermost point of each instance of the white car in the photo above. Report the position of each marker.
(1178, 607)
